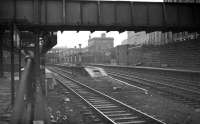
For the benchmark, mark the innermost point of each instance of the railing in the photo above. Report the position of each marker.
(21, 98)
(29, 104)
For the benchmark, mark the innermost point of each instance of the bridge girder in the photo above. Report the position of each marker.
(53, 15)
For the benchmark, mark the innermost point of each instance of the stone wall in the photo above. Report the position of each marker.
(184, 54)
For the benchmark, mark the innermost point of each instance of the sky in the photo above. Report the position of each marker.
(70, 39)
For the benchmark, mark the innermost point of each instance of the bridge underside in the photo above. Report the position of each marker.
(53, 15)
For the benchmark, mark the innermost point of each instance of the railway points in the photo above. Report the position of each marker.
(151, 99)
(110, 107)
(144, 90)
(185, 89)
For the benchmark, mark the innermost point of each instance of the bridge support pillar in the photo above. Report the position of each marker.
(1, 54)
(12, 66)
(40, 109)
(19, 55)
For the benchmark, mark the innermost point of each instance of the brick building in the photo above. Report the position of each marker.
(99, 48)
(98, 44)
(136, 38)
(157, 37)
(183, 1)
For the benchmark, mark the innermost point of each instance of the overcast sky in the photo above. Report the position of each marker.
(72, 38)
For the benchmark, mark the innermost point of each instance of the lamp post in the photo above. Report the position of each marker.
(75, 59)
(80, 57)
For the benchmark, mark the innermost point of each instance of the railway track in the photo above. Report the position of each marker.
(84, 113)
(175, 92)
(109, 109)
(194, 85)
(185, 95)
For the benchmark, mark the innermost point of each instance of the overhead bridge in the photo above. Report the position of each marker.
(53, 15)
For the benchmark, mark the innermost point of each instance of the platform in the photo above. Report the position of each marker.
(95, 71)
(5, 97)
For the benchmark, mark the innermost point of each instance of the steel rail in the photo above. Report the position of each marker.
(162, 77)
(155, 82)
(147, 80)
(140, 88)
(179, 95)
(90, 105)
(139, 113)
(149, 68)
(187, 97)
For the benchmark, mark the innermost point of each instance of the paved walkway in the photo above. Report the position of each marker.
(5, 97)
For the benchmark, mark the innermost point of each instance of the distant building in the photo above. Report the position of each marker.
(157, 37)
(183, 1)
(99, 44)
(99, 48)
(59, 55)
(181, 36)
(136, 38)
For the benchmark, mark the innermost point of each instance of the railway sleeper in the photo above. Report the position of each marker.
(119, 115)
(133, 122)
(125, 118)
(100, 107)
(112, 112)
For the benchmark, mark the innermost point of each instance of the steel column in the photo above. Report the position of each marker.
(1, 54)
(19, 52)
(38, 109)
(64, 11)
(37, 57)
(12, 66)
(43, 74)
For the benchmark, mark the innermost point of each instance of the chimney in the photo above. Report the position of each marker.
(79, 46)
(103, 35)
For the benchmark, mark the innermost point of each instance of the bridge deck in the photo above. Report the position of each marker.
(100, 15)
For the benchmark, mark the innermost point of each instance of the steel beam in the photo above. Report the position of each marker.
(56, 15)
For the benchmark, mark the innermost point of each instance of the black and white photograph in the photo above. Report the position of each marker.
(99, 61)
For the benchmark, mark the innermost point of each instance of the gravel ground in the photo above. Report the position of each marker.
(62, 108)
(65, 108)
(5, 97)
(167, 110)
